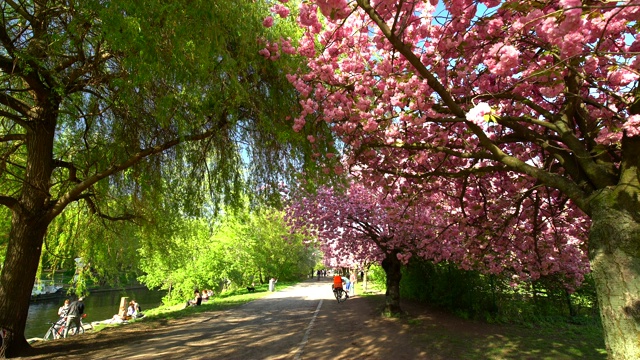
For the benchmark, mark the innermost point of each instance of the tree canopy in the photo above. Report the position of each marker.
(363, 224)
(238, 248)
(524, 93)
(120, 108)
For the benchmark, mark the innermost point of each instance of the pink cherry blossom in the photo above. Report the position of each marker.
(477, 113)
(632, 126)
(403, 89)
(265, 53)
(268, 22)
(281, 10)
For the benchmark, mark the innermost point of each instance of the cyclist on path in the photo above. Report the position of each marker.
(338, 282)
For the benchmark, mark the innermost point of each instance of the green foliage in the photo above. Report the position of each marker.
(186, 261)
(274, 251)
(463, 292)
(470, 294)
(107, 249)
(377, 278)
(238, 249)
(131, 76)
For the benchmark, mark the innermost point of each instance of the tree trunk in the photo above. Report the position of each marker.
(365, 282)
(17, 279)
(614, 253)
(393, 269)
(572, 309)
(29, 222)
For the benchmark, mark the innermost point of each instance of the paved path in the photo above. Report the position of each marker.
(295, 323)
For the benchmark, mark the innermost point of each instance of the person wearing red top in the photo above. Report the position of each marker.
(338, 283)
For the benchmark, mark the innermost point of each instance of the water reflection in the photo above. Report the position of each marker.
(98, 306)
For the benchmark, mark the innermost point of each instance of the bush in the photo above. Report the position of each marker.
(470, 294)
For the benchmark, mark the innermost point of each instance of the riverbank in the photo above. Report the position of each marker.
(99, 305)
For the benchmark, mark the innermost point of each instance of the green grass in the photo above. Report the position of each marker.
(225, 300)
(514, 344)
(547, 339)
(372, 288)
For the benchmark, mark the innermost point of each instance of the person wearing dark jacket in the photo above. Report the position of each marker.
(74, 316)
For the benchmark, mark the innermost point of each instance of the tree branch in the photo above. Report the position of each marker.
(20, 10)
(12, 137)
(74, 193)
(93, 209)
(73, 171)
(9, 202)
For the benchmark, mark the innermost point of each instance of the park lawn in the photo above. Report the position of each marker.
(223, 301)
(441, 335)
(515, 342)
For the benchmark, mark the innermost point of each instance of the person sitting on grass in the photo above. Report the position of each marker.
(138, 309)
(197, 299)
(120, 317)
(134, 310)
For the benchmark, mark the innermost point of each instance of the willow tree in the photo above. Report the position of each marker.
(110, 105)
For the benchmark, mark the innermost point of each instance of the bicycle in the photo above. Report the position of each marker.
(339, 294)
(57, 329)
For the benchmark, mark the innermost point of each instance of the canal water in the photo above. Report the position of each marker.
(98, 306)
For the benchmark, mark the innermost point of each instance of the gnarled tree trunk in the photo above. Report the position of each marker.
(393, 268)
(614, 252)
(29, 223)
(17, 279)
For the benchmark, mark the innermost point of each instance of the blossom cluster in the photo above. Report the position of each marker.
(527, 239)
(419, 92)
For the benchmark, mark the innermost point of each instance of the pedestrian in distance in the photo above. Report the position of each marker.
(354, 280)
(347, 284)
(339, 282)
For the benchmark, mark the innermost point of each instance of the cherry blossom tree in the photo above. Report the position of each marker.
(546, 92)
(359, 225)
(389, 225)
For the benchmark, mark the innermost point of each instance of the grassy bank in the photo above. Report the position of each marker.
(219, 302)
(453, 337)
